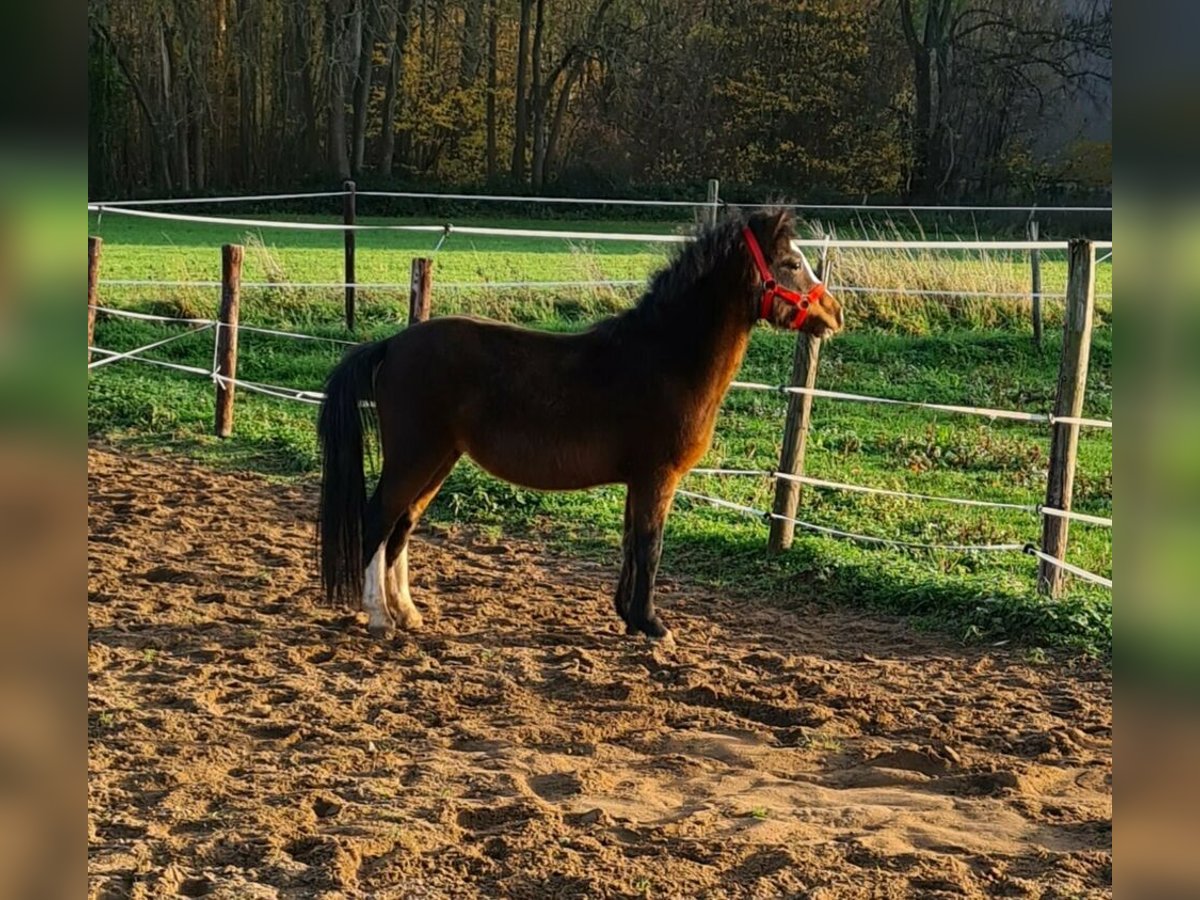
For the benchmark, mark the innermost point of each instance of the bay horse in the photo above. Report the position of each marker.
(633, 400)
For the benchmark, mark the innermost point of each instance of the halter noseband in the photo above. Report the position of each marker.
(771, 290)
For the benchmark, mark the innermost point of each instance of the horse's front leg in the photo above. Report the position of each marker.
(650, 505)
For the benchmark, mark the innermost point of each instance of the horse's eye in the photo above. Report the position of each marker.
(791, 264)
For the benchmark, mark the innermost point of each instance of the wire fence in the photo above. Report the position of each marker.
(1034, 508)
(985, 412)
(582, 284)
(445, 229)
(382, 285)
(601, 201)
(314, 397)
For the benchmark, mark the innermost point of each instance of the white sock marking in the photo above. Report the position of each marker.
(373, 588)
(399, 596)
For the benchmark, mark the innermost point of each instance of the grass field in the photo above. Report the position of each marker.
(963, 351)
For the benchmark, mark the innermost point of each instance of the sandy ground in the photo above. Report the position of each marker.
(247, 741)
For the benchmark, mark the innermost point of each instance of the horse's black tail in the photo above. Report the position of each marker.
(343, 483)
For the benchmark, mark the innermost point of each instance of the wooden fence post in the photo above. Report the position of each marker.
(420, 291)
(227, 335)
(1035, 266)
(713, 199)
(1072, 383)
(795, 432)
(94, 244)
(348, 216)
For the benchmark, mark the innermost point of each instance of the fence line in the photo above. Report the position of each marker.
(983, 411)
(900, 207)
(292, 334)
(917, 404)
(1081, 420)
(487, 231)
(518, 198)
(925, 292)
(1067, 567)
(767, 516)
(271, 390)
(256, 223)
(125, 313)
(540, 285)
(250, 198)
(862, 489)
(552, 285)
(377, 285)
(1030, 549)
(868, 244)
(192, 370)
(158, 282)
(284, 393)
(602, 201)
(129, 354)
(151, 317)
(1033, 508)
(1075, 516)
(607, 201)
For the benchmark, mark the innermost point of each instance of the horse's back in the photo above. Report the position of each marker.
(545, 410)
(480, 358)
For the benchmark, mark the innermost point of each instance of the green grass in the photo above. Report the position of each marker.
(147, 249)
(909, 348)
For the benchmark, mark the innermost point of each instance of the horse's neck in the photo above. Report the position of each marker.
(704, 338)
(718, 347)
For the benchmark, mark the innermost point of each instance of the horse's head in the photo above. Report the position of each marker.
(788, 293)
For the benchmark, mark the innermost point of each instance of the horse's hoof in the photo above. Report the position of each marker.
(652, 628)
(667, 641)
(382, 632)
(412, 622)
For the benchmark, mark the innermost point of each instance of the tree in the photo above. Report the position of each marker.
(517, 169)
(397, 28)
(344, 27)
(933, 98)
(490, 162)
(977, 67)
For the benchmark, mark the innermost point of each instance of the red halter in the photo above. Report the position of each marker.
(771, 289)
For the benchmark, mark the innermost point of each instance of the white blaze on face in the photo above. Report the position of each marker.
(808, 271)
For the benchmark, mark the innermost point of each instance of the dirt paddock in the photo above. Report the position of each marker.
(247, 741)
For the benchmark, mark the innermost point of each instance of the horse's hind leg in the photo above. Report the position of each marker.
(405, 476)
(399, 597)
(379, 622)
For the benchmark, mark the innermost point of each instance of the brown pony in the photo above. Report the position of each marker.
(632, 400)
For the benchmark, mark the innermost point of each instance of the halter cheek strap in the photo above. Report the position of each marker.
(771, 289)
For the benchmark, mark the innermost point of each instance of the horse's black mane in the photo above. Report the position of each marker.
(712, 248)
(673, 293)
